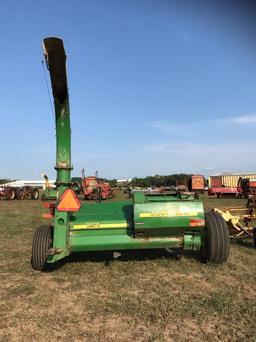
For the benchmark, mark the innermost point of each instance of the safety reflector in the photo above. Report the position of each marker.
(69, 201)
(196, 223)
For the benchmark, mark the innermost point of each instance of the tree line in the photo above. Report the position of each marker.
(4, 180)
(157, 180)
(154, 181)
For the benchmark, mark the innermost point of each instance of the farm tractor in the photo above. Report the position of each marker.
(27, 192)
(7, 192)
(24, 192)
(165, 221)
(95, 189)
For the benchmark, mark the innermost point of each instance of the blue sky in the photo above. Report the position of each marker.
(156, 87)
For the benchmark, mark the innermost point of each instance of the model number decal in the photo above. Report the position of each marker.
(168, 214)
(91, 225)
(155, 214)
(98, 225)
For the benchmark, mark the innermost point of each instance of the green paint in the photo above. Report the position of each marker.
(118, 240)
(192, 241)
(50, 194)
(56, 61)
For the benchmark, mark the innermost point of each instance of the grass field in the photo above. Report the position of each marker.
(142, 296)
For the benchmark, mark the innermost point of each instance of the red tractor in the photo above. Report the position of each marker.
(24, 192)
(7, 192)
(95, 189)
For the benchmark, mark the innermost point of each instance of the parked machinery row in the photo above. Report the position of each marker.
(20, 193)
(244, 188)
(92, 188)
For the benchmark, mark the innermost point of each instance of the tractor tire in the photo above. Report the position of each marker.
(20, 194)
(254, 236)
(34, 194)
(11, 194)
(217, 242)
(78, 188)
(196, 195)
(42, 242)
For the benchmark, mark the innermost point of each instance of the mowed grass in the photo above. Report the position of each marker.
(142, 296)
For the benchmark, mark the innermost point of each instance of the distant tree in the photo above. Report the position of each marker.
(112, 182)
(156, 181)
(165, 180)
(4, 180)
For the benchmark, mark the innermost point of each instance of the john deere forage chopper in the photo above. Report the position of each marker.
(152, 221)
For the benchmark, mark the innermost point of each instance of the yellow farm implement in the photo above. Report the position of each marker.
(240, 220)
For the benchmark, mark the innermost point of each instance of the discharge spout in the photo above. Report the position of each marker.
(55, 58)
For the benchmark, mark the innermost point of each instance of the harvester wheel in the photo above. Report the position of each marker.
(42, 242)
(35, 194)
(21, 194)
(217, 242)
(11, 194)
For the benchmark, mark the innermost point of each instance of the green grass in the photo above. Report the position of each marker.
(141, 296)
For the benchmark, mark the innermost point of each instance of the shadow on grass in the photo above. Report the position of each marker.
(247, 242)
(123, 256)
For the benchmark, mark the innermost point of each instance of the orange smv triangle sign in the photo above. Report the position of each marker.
(69, 201)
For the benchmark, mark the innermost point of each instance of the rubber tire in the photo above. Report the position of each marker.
(217, 238)
(78, 187)
(20, 194)
(254, 236)
(11, 194)
(196, 195)
(34, 194)
(42, 242)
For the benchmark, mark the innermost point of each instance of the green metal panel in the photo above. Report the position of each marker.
(50, 194)
(123, 208)
(176, 215)
(142, 197)
(103, 216)
(117, 239)
(192, 241)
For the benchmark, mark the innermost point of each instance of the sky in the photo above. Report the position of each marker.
(156, 86)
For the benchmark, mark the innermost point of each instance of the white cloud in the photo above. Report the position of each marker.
(175, 128)
(163, 148)
(204, 157)
(249, 119)
(165, 158)
(188, 128)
